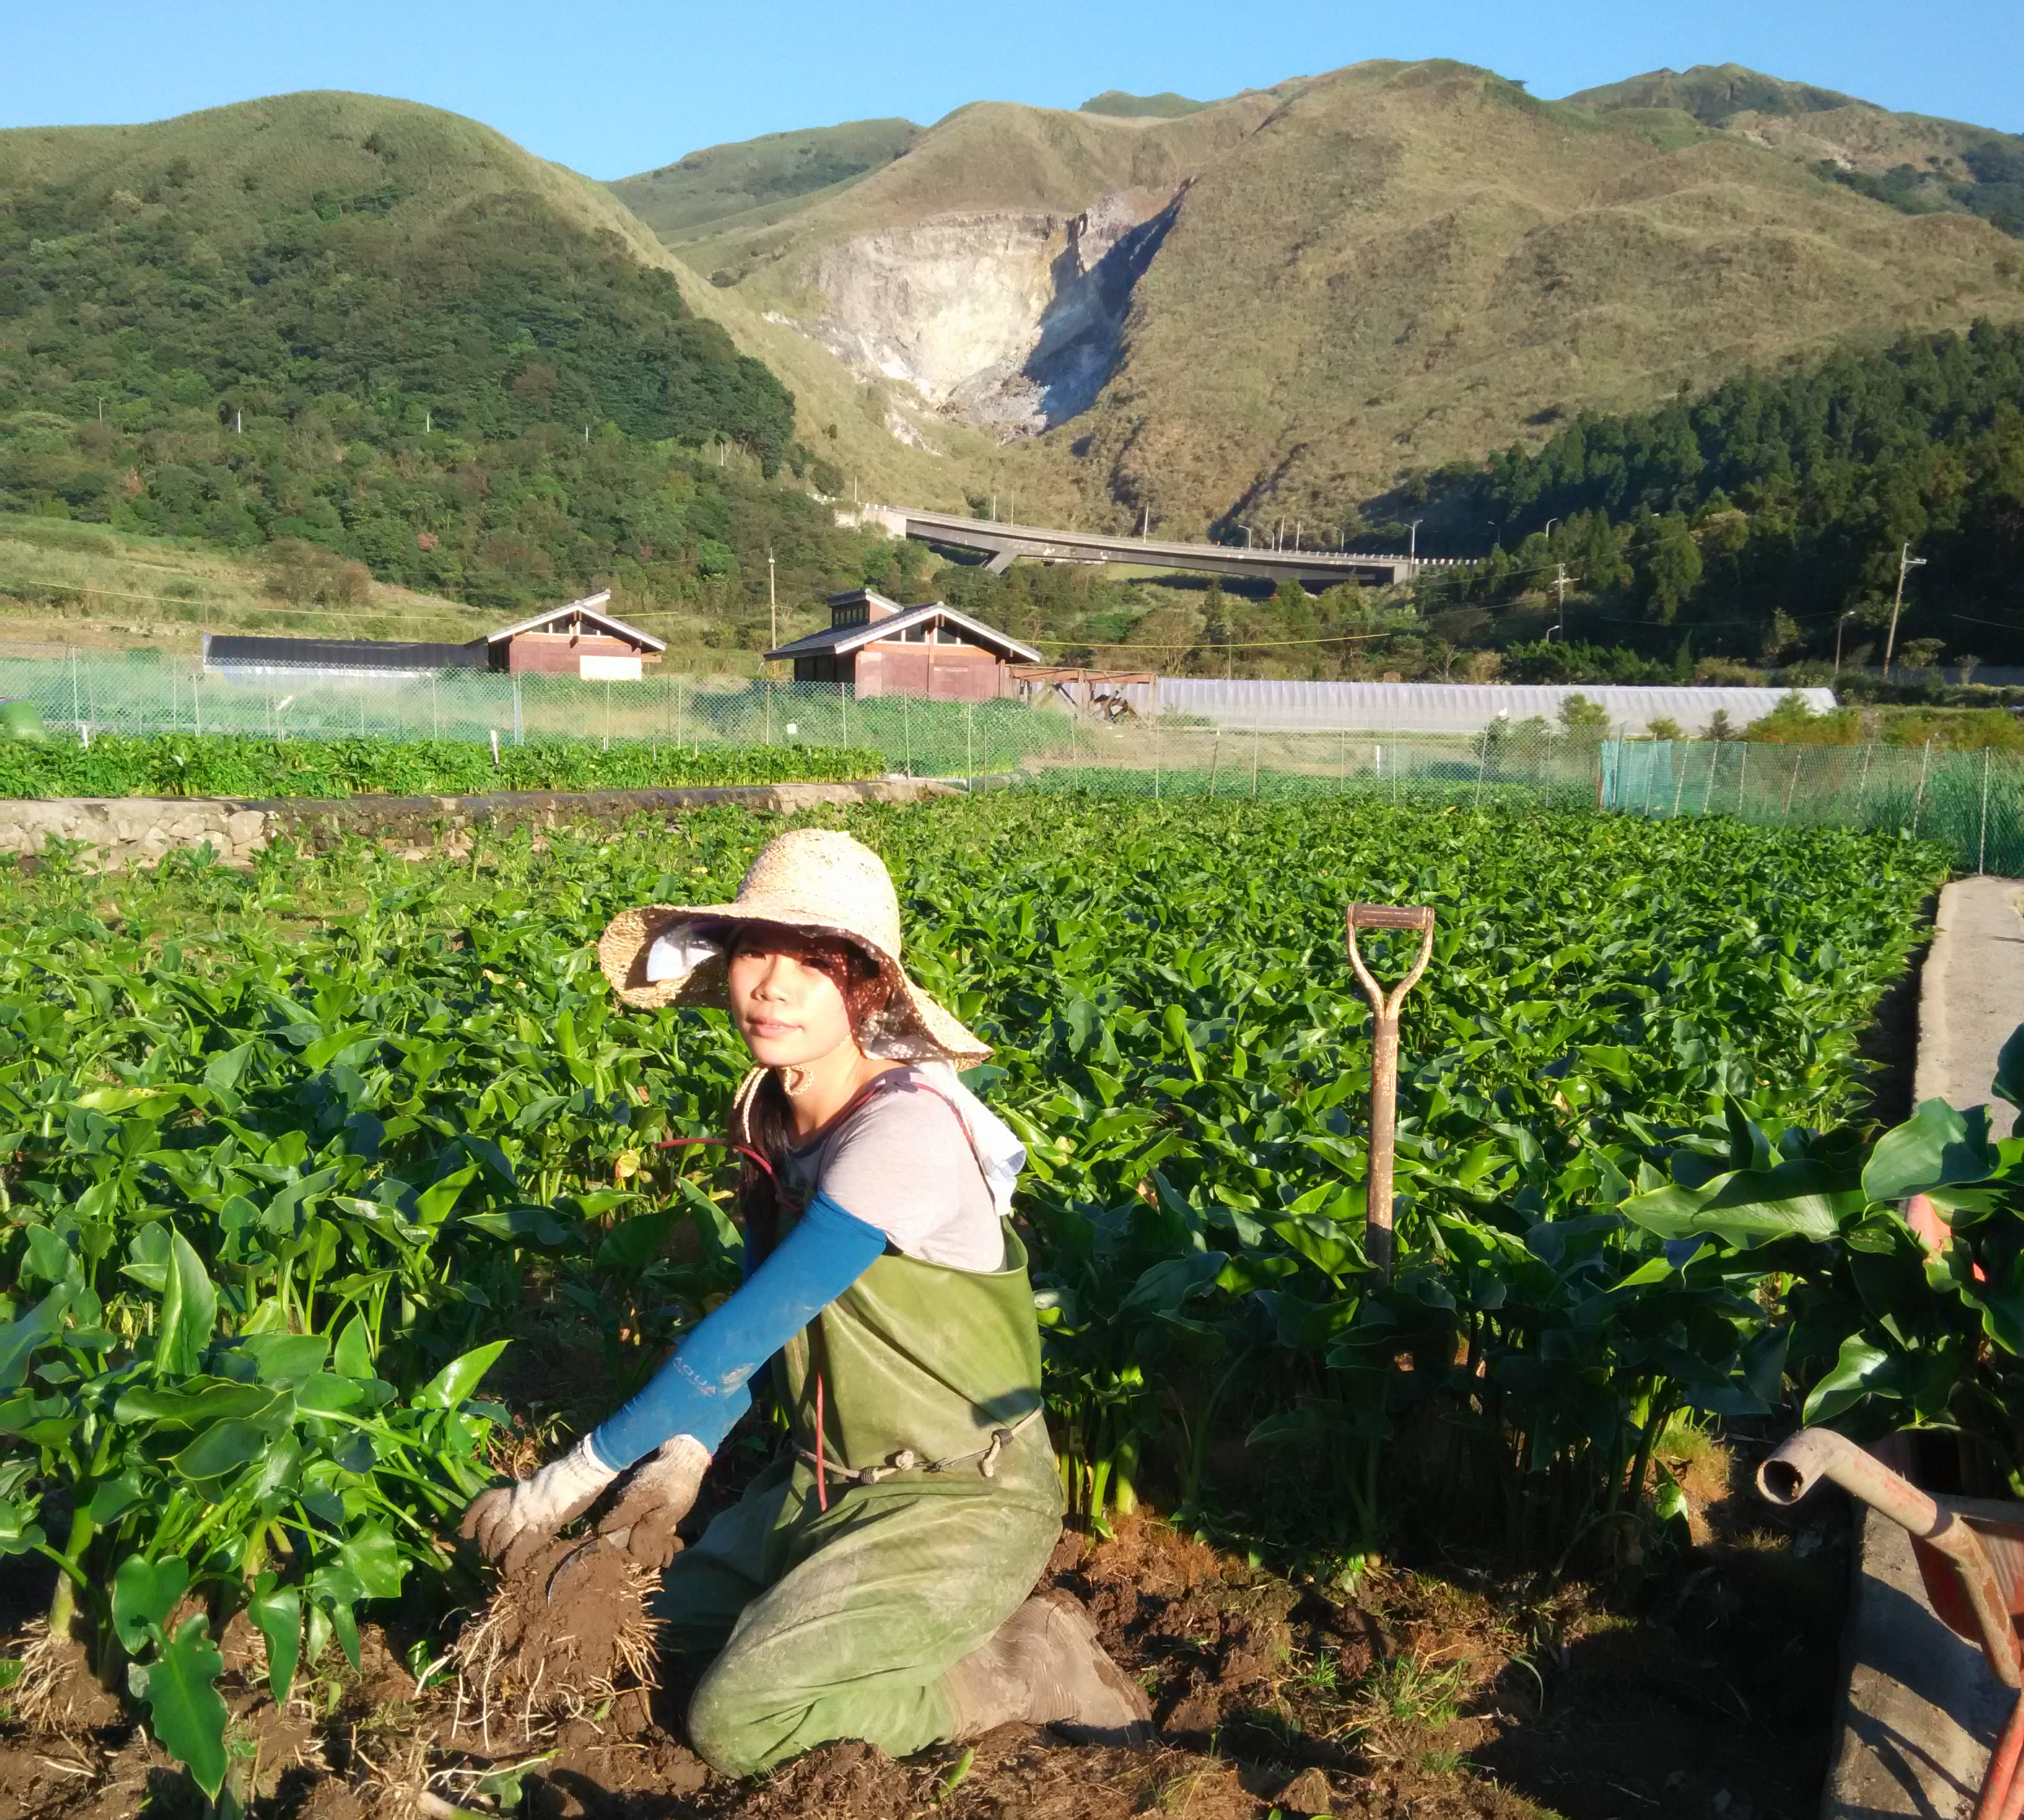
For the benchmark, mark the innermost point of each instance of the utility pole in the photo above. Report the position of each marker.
(1838, 624)
(1146, 525)
(1560, 601)
(1413, 548)
(772, 605)
(1906, 563)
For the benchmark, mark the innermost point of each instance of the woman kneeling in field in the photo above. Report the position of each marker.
(874, 1582)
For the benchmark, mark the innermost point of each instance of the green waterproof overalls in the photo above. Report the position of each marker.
(841, 1623)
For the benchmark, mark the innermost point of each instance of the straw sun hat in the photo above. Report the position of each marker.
(815, 879)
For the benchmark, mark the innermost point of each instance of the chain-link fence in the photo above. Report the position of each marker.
(1973, 801)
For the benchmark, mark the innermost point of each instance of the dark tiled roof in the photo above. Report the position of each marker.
(344, 653)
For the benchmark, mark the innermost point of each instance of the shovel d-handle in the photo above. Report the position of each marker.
(1981, 1604)
(1384, 1060)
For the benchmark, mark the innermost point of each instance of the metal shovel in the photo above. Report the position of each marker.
(1384, 1061)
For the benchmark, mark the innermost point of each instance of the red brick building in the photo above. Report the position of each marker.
(576, 639)
(885, 649)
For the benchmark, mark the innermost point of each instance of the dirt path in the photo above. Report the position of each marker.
(1971, 996)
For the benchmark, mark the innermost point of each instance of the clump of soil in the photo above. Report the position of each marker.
(56, 1693)
(527, 1662)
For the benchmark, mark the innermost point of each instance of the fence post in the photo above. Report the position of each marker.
(843, 698)
(607, 714)
(769, 710)
(1792, 784)
(1862, 786)
(1981, 846)
(435, 706)
(1254, 737)
(1156, 752)
(76, 710)
(1918, 800)
(1679, 779)
(1482, 763)
(678, 711)
(196, 699)
(907, 731)
(969, 745)
(1214, 762)
(1742, 771)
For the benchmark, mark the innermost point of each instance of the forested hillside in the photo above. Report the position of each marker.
(389, 332)
(1755, 516)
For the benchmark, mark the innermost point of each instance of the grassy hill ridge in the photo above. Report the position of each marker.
(1375, 272)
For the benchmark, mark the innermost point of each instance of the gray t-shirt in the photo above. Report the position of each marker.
(902, 1164)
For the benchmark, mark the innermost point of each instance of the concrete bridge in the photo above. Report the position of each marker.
(1002, 542)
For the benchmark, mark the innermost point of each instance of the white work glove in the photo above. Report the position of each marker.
(660, 1493)
(510, 1522)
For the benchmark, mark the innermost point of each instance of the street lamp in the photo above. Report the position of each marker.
(1412, 547)
(1547, 533)
(1838, 624)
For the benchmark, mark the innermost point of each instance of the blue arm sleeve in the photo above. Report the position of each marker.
(701, 1391)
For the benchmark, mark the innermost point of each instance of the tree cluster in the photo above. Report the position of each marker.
(1751, 521)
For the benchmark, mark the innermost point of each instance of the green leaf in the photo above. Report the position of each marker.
(457, 1379)
(1163, 1287)
(2009, 1081)
(223, 1072)
(190, 1310)
(19, 1531)
(432, 1205)
(223, 1447)
(183, 1704)
(374, 1557)
(278, 1613)
(144, 1593)
(633, 1244)
(1938, 1146)
(201, 1400)
(112, 1497)
(20, 1337)
(284, 1358)
(1804, 1199)
(1859, 1369)
(354, 1350)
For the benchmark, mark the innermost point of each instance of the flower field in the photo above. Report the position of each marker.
(325, 1183)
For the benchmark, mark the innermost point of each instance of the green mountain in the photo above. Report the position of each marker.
(1911, 162)
(389, 331)
(741, 182)
(1283, 308)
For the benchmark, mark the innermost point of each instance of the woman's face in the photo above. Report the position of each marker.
(784, 998)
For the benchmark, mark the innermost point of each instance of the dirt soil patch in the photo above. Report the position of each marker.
(1701, 1684)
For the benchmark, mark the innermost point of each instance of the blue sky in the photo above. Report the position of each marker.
(614, 86)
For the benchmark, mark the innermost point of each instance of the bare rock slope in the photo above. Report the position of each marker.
(1295, 298)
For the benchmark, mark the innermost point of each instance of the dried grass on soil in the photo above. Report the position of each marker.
(525, 1664)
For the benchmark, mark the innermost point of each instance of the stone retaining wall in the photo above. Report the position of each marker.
(138, 830)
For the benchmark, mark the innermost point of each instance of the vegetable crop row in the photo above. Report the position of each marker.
(286, 1155)
(244, 766)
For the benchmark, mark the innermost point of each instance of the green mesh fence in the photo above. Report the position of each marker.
(1973, 802)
